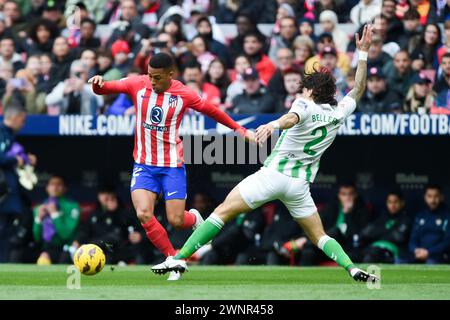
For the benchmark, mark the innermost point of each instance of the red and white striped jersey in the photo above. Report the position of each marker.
(158, 117)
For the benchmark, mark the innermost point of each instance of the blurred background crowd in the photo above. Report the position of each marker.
(247, 57)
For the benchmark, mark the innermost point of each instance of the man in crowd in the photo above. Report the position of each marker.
(55, 223)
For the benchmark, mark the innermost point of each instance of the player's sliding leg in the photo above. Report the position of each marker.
(313, 228)
(229, 209)
(144, 204)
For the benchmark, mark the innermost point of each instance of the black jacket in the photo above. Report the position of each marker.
(260, 102)
(355, 222)
(383, 102)
(10, 203)
(392, 228)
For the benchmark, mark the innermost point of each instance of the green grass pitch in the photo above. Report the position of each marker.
(224, 283)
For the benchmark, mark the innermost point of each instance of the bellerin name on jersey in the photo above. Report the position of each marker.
(323, 118)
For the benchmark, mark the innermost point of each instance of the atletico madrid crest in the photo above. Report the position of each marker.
(173, 101)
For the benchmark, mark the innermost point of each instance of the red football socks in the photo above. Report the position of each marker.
(189, 219)
(158, 236)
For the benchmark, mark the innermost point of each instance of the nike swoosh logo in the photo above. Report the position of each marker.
(171, 193)
(136, 172)
(221, 129)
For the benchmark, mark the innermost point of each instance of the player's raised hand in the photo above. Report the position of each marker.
(364, 43)
(250, 136)
(263, 133)
(98, 80)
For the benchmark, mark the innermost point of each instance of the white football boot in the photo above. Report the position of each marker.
(174, 276)
(199, 219)
(171, 264)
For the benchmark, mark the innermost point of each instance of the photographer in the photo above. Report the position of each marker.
(74, 95)
(162, 43)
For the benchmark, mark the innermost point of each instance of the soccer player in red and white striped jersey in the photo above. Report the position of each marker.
(160, 102)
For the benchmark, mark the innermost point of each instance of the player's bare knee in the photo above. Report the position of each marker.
(176, 221)
(144, 214)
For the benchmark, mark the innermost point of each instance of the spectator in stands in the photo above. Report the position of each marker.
(446, 46)
(291, 80)
(105, 66)
(285, 10)
(288, 32)
(192, 72)
(423, 7)
(87, 35)
(162, 43)
(328, 60)
(130, 23)
(331, 5)
(387, 237)
(8, 54)
(329, 23)
(42, 34)
(442, 84)
(326, 40)
(200, 51)
(400, 78)
(394, 24)
(26, 84)
(173, 27)
(378, 97)
(62, 58)
(303, 50)
(110, 227)
(244, 26)
(411, 31)
(420, 97)
(44, 79)
(285, 61)
(242, 62)
(306, 28)
(152, 10)
(53, 11)
(365, 11)
(55, 223)
(254, 99)
(253, 48)
(205, 29)
(120, 51)
(11, 204)
(74, 95)
(14, 19)
(425, 54)
(89, 58)
(35, 11)
(389, 40)
(217, 75)
(377, 57)
(430, 236)
(344, 219)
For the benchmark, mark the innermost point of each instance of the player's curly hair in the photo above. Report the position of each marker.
(323, 85)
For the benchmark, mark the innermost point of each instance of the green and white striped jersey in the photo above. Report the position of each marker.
(298, 150)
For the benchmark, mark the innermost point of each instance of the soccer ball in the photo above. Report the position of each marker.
(89, 259)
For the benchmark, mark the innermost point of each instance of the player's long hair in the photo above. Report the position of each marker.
(323, 85)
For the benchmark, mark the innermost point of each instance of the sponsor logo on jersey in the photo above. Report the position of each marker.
(157, 115)
(155, 127)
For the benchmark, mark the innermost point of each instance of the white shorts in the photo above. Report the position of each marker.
(267, 185)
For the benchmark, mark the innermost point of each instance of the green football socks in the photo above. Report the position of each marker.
(335, 252)
(202, 235)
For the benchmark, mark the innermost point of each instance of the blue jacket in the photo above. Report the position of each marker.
(431, 231)
(12, 203)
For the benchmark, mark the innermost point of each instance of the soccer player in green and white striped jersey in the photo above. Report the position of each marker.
(309, 128)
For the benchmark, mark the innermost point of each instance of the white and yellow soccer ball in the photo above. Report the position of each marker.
(89, 259)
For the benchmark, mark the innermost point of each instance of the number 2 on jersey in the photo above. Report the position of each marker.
(312, 143)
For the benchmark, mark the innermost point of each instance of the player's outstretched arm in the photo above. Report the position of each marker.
(363, 46)
(284, 122)
(99, 86)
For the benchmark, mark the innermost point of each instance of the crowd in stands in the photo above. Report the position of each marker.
(48, 50)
